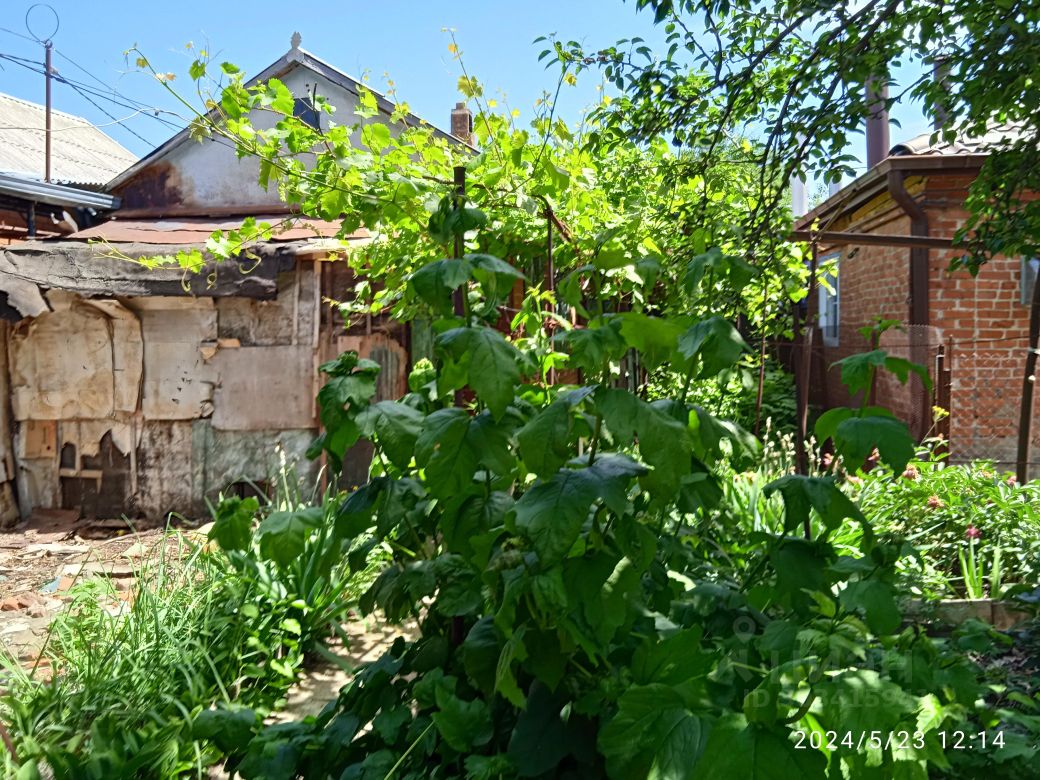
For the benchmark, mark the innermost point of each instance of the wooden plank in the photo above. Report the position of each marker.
(830, 237)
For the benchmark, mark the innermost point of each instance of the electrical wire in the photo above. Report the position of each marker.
(94, 103)
(86, 92)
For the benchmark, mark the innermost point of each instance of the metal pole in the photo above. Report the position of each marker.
(550, 280)
(805, 374)
(47, 45)
(460, 194)
(1025, 418)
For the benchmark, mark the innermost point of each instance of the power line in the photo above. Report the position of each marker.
(19, 35)
(129, 129)
(85, 91)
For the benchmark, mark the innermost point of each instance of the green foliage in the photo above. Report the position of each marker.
(575, 618)
(124, 687)
(801, 78)
(940, 508)
(583, 610)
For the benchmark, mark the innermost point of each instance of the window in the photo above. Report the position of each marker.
(304, 110)
(1030, 266)
(828, 303)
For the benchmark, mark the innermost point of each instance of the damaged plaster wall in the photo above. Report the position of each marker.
(151, 405)
(75, 376)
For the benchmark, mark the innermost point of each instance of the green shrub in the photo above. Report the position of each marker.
(962, 520)
(126, 682)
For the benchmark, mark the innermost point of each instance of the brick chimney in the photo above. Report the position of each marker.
(878, 142)
(462, 123)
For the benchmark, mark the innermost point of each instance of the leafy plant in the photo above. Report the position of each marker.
(124, 683)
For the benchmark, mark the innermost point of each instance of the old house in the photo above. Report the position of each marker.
(142, 392)
(971, 333)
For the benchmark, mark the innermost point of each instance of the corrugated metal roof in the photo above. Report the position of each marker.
(196, 231)
(80, 152)
(995, 138)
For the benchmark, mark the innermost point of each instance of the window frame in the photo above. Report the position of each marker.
(829, 316)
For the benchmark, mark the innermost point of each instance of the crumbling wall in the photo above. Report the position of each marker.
(145, 406)
(148, 405)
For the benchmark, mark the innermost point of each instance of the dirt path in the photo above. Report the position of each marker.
(42, 559)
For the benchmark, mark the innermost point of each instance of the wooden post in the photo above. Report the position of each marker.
(1025, 416)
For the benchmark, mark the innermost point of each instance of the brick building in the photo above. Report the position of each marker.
(971, 333)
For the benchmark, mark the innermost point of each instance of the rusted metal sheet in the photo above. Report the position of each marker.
(197, 230)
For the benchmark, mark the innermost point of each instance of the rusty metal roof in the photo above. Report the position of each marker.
(196, 231)
(80, 152)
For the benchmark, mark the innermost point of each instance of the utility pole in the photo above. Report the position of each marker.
(47, 46)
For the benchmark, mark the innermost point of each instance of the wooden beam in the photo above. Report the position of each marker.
(829, 237)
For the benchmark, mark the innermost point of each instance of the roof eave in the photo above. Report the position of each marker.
(55, 194)
(875, 181)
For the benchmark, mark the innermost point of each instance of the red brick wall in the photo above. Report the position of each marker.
(874, 282)
(986, 327)
(979, 321)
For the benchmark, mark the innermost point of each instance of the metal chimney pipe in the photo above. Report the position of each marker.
(941, 76)
(878, 142)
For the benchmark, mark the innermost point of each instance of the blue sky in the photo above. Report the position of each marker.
(403, 38)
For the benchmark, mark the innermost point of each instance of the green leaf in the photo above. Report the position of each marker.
(283, 535)
(279, 98)
(653, 735)
(878, 602)
(902, 368)
(592, 348)
(480, 653)
(621, 412)
(842, 700)
(355, 515)
(664, 443)
(552, 512)
(858, 370)
(541, 739)
(442, 450)
(475, 516)
(655, 338)
(462, 724)
(376, 136)
(490, 361)
(233, 524)
(545, 441)
(856, 438)
(828, 422)
(671, 661)
(228, 728)
(716, 342)
(495, 275)
(801, 494)
(397, 427)
(738, 751)
(435, 281)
